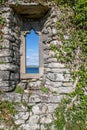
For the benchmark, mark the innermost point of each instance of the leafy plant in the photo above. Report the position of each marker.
(16, 2)
(2, 20)
(29, 107)
(44, 89)
(19, 90)
(71, 113)
(7, 111)
(54, 92)
(2, 2)
(8, 107)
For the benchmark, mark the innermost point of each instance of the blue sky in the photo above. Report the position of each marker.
(32, 48)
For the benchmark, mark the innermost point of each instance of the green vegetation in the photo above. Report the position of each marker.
(19, 90)
(3, 2)
(72, 31)
(71, 113)
(1, 46)
(16, 2)
(7, 111)
(2, 22)
(8, 107)
(29, 107)
(2, 62)
(54, 92)
(1, 92)
(44, 89)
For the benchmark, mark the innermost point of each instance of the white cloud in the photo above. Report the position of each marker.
(33, 59)
(35, 55)
(30, 50)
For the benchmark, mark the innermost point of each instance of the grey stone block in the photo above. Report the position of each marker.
(5, 60)
(34, 98)
(6, 52)
(56, 65)
(8, 67)
(6, 44)
(4, 75)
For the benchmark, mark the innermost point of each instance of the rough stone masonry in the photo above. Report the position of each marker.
(56, 79)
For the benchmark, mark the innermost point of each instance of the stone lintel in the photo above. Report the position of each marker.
(32, 10)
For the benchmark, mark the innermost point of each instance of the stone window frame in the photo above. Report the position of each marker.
(23, 74)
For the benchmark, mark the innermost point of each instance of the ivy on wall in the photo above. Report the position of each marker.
(2, 2)
(71, 113)
(2, 22)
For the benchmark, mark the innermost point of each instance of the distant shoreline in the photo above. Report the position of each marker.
(32, 66)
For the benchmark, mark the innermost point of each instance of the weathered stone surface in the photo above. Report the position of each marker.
(14, 76)
(7, 88)
(33, 120)
(62, 70)
(5, 30)
(49, 60)
(2, 126)
(46, 119)
(65, 90)
(22, 85)
(58, 77)
(6, 44)
(34, 84)
(55, 77)
(25, 97)
(17, 97)
(22, 115)
(34, 107)
(52, 107)
(68, 84)
(7, 96)
(13, 97)
(56, 65)
(60, 90)
(4, 75)
(9, 67)
(34, 98)
(39, 109)
(6, 53)
(4, 83)
(30, 10)
(28, 127)
(5, 60)
(54, 84)
(55, 98)
(19, 122)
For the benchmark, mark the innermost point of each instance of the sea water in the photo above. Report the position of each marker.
(32, 70)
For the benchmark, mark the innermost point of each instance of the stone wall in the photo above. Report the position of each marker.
(42, 94)
(57, 76)
(9, 51)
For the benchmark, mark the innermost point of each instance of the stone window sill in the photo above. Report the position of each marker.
(30, 76)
